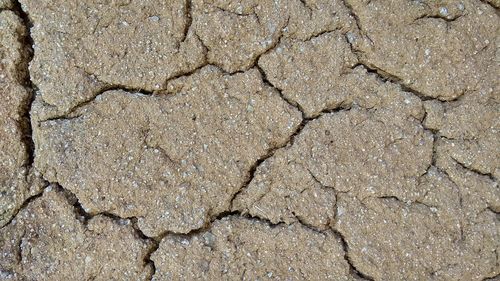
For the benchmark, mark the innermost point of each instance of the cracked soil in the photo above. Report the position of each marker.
(249, 140)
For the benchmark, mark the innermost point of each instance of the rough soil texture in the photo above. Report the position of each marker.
(17, 176)
(249, 140)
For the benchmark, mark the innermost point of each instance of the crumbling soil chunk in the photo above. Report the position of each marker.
(253, 140)
(239, 248)
(17, 180)
(442, 235)
(440, 49)
(376, 148)
(48, 241)
(173, 160)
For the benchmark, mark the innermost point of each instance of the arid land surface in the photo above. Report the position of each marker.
(249, 140)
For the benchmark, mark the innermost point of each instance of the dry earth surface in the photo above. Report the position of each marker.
(249, 140)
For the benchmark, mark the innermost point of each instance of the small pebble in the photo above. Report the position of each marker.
(351, 37)
(443, 11)
(154, 18)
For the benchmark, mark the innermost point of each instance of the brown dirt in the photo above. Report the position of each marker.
(249, 140)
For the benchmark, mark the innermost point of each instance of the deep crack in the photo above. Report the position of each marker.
(189, 20)
(354, 270)
(27, 42)
(84, 216)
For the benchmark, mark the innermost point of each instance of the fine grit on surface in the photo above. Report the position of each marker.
(249, 140)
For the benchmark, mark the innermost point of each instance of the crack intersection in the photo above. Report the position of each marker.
(84, 216)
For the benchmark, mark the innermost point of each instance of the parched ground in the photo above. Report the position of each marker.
(249, 140)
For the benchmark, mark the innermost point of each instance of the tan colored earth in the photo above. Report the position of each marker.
(250, 140)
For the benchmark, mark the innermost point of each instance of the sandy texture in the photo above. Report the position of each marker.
(262, 251)
(440, 236)
(48, 242)
(380, 151)
(173, 160)
(6, 4)
(17, 179)
(249, 140)
(440, 49)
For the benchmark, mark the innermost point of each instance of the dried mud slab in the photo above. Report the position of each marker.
(17, 182)
(301, 139)
(441, 236)
(81, 47)
(481, 191)
(293, 68)
(46, 241)
(376, 148)
(441, 49)
(172, 160)
(470, 129)
(236, 33)
(238, 248)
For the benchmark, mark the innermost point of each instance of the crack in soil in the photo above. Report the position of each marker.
(31, 88)
(84, 217)
(27, 42)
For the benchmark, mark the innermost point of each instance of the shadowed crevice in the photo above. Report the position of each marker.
(26, 82)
